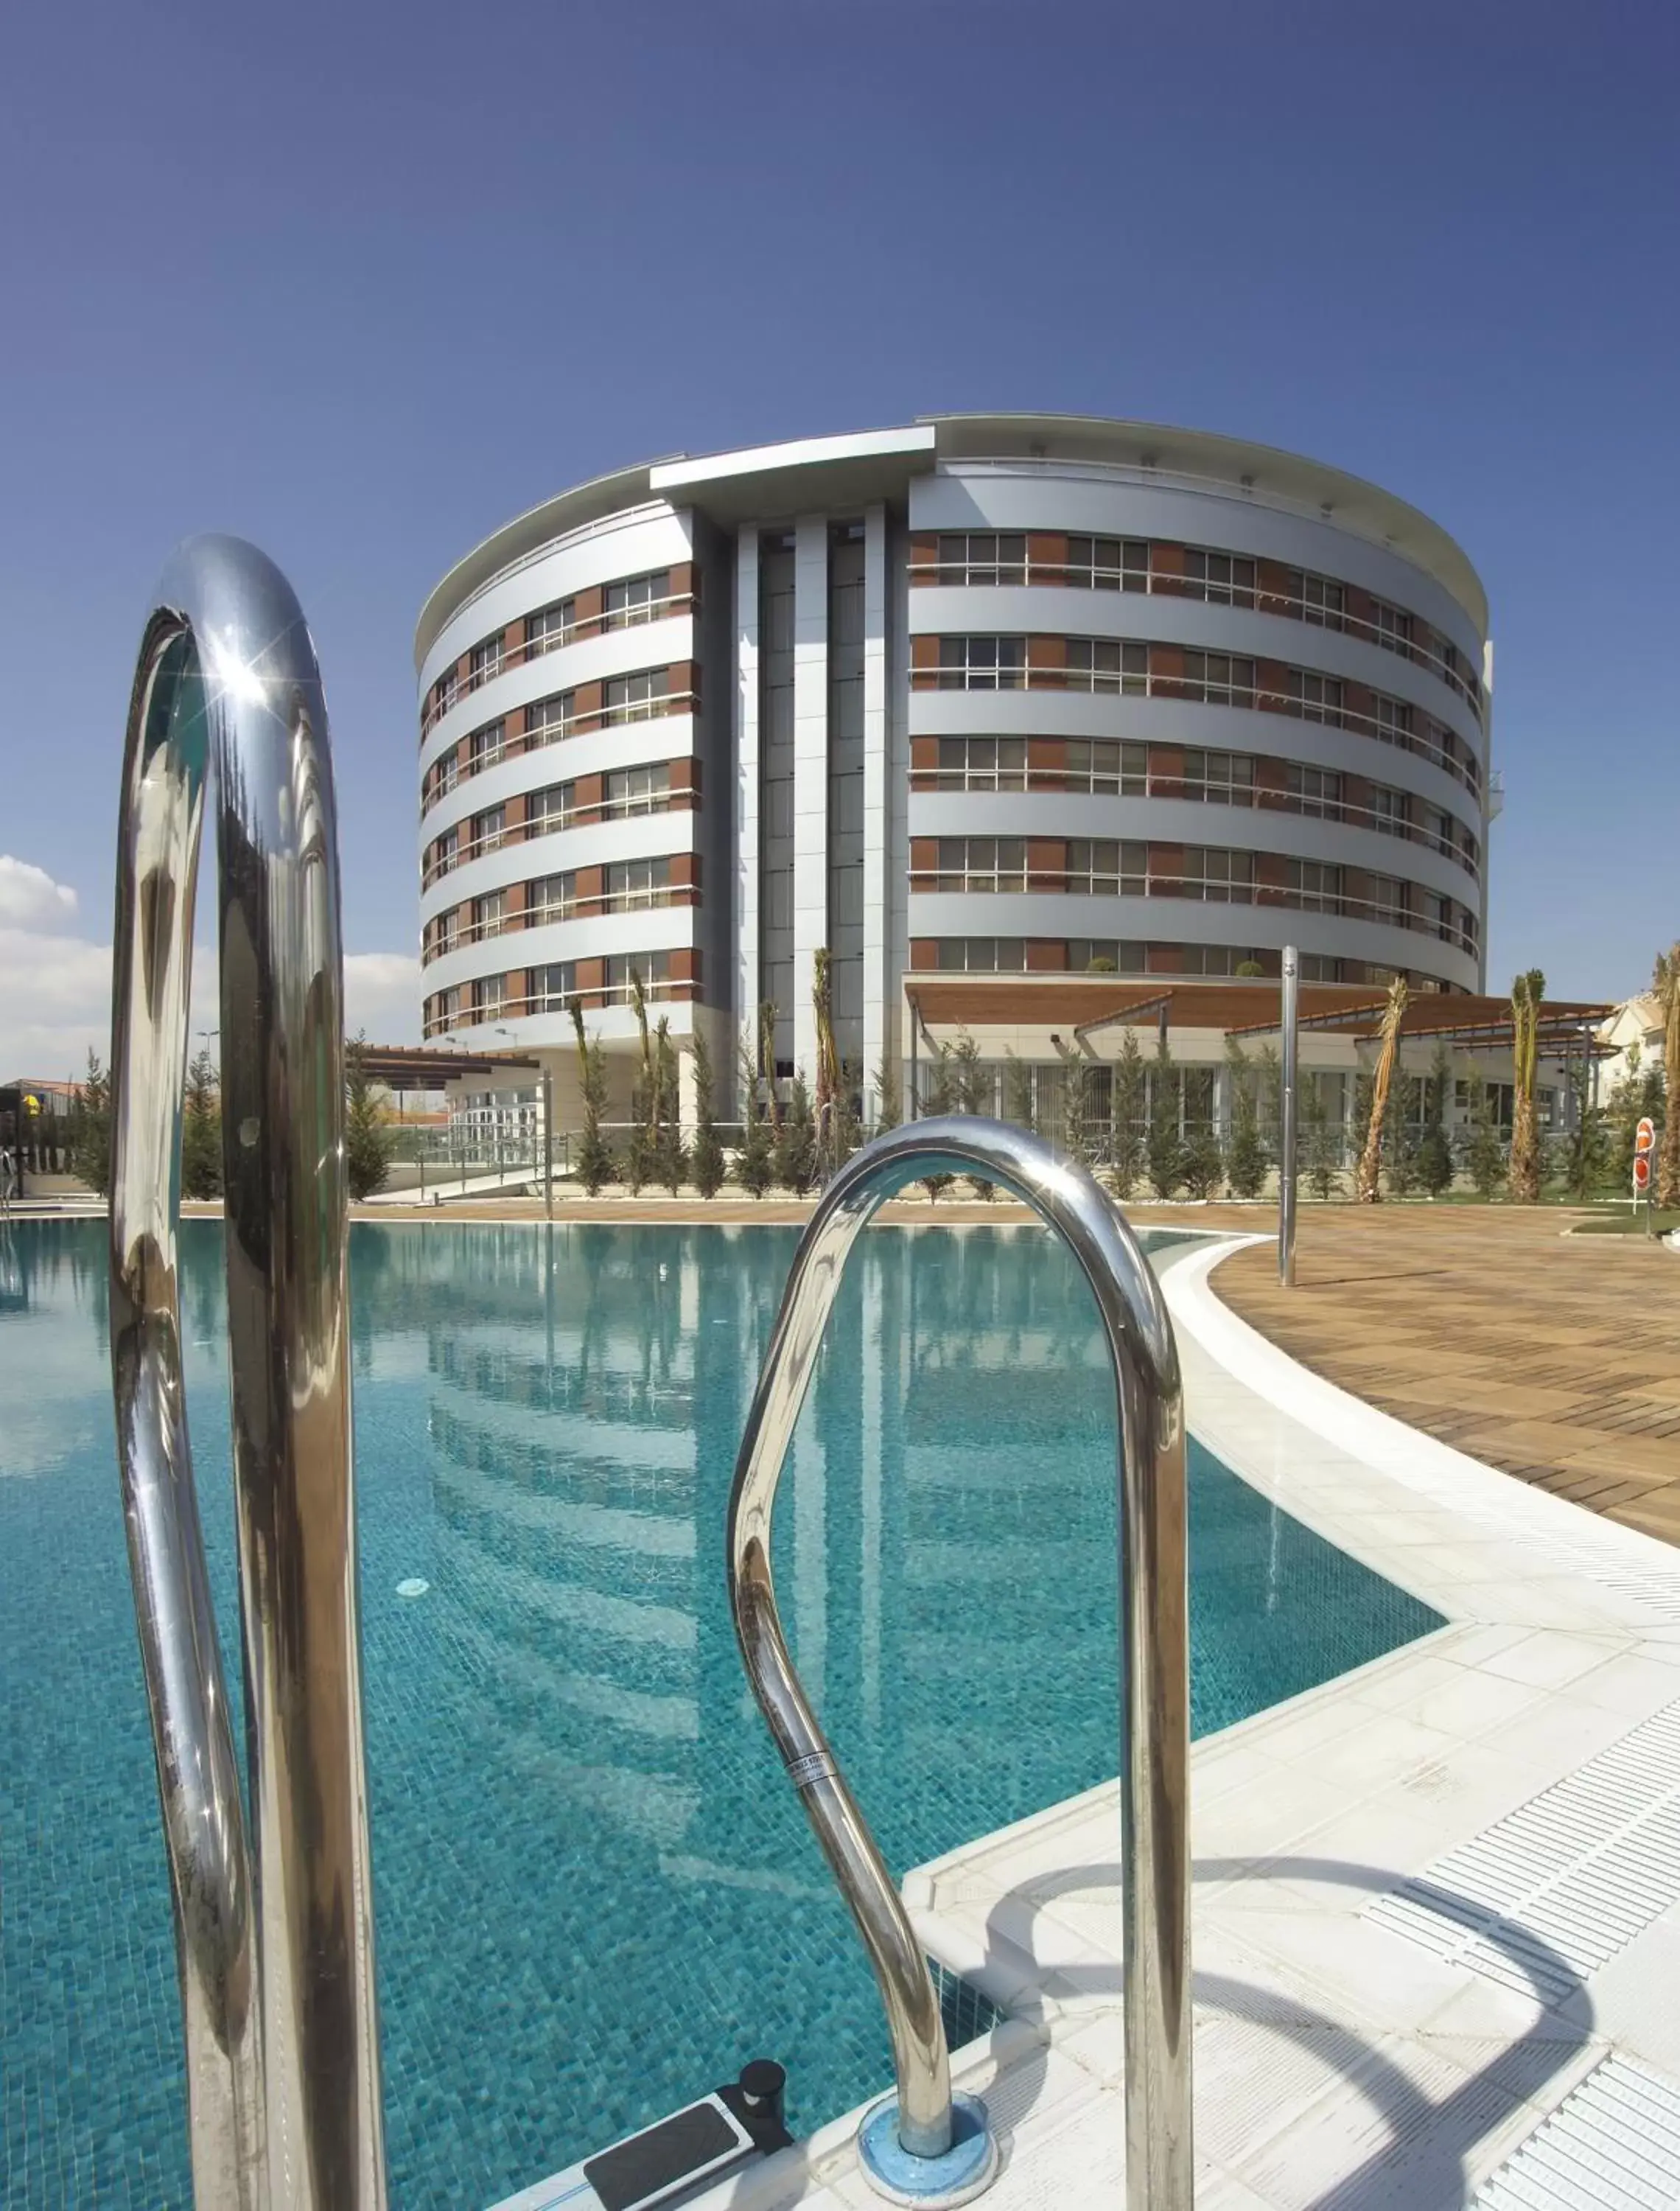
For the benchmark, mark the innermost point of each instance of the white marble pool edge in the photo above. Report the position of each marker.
(1348, 2051)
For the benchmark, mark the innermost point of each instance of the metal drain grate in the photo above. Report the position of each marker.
(1549, 1894)
(1613, 2144)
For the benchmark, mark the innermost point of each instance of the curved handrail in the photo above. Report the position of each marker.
(1155, 1717)
(275, 1941)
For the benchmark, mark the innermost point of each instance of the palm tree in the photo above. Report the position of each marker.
(1666, 984)
(1367, 1183)
(1524, 1173)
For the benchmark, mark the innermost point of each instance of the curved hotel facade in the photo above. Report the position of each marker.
(1013, 695)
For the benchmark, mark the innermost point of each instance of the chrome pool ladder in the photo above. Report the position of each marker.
(1155, 1695)
(274, 1929)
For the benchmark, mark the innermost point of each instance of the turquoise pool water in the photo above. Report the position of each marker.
(596, 1892)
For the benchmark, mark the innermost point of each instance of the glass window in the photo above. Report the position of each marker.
(983, 955)
(981, 864)
(1108, 564)
(1104, 766)
(550, 625)
(654, 968)
(634, 698)
(1223, 578)
(1317, 599)
(983, 556)
(1214, 959)
(489, 997)
(548, 719)
(1387, 900)
(1392, 718)
(638, 598)
(1121, 957)
(487, 829)
(484, 748)
(628, 883)
(490, 914)
(637, 789)
(553, 987)
(1219, 779)
(1316, 790)
(1391, 628)
(551, 897)
(1390, 813)
(1221, 679)
(1321, 967)
(550, 808)
(1211, 873)
(983, 763)
(1097, 664)
(487, 660)
(982, 664)
(1315, 698)
(1315, 886)
(1105, 867)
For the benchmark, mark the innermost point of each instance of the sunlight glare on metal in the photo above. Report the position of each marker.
(234, 676)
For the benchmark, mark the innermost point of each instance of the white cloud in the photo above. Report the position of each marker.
(29, 899)
(55, 987)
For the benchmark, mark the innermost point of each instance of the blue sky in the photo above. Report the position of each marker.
(360, 282)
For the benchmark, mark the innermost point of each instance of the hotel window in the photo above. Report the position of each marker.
(446, 932)
(547, 720)
(983, 556)
(1107, 768)
(1108, 564)
(446, 1008)
(981, 864)
(654, 968)
(1386, 901)
(1321, 967)
(982, 664)
(1390, 814)
(487, 660)
(550, 625)
(1315, 698)
(1317, 599)
(487, 829)
(490, 914)
(1316, 790)
(634, 698)
(447, 852)
(551, 897)
(1219, 779)
(444, 776)
(1434, 911)
(983, 763)
(550, 808)
(489, 997)
(1313, 886)
(1213, 959)
(636, 790)
(448, 691)
(551, 988)
(484, 748)
(1225, 877)
(1104, 867)
(1121, 956)
(1221, 578)
(1221, 679)
(636, 598)
(629, 883)
(1096, 663)
(1392, 718)
(1391, 628)
(983, 955)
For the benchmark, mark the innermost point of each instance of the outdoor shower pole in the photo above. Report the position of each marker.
(547, 1142)
(1286, 1134)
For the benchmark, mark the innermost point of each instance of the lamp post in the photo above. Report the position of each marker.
(1286, 1133)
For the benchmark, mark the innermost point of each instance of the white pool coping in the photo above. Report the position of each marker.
(1337, 2062)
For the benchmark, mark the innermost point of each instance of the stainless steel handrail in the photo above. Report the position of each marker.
(273, 1937)
(1155, 1714)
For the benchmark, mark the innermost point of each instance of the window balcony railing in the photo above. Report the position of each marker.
(576, 909)
(550, 639)
(1141, 684)
(1303, 606)
(548, 823)
(554, 731)
(1097, 785)
(657, 990)
(1214, 891)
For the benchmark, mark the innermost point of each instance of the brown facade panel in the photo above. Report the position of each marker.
(1046, 652)
(685, 871)
(1047, 863)
(924, 755)
(1046, 955)
(924, 651)
(1048, 548)
(684, 964)
(924, 551)
(591, 974)
(924, 854)
(924, 952)
(1046, 755)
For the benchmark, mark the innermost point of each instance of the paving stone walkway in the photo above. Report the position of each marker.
(1554, 1357)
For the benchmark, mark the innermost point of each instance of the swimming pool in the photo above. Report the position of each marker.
(596, 1892)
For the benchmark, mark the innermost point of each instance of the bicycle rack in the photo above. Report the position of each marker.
(274, 1936)
(923, 2146)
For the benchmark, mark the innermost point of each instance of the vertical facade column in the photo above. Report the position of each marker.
(747, 992)
(878, 980)
(810, 775)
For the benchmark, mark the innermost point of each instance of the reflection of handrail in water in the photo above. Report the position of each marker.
(273, 1940)
(1154, 1729)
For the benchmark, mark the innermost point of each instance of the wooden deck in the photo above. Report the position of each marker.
(1554, 1357)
